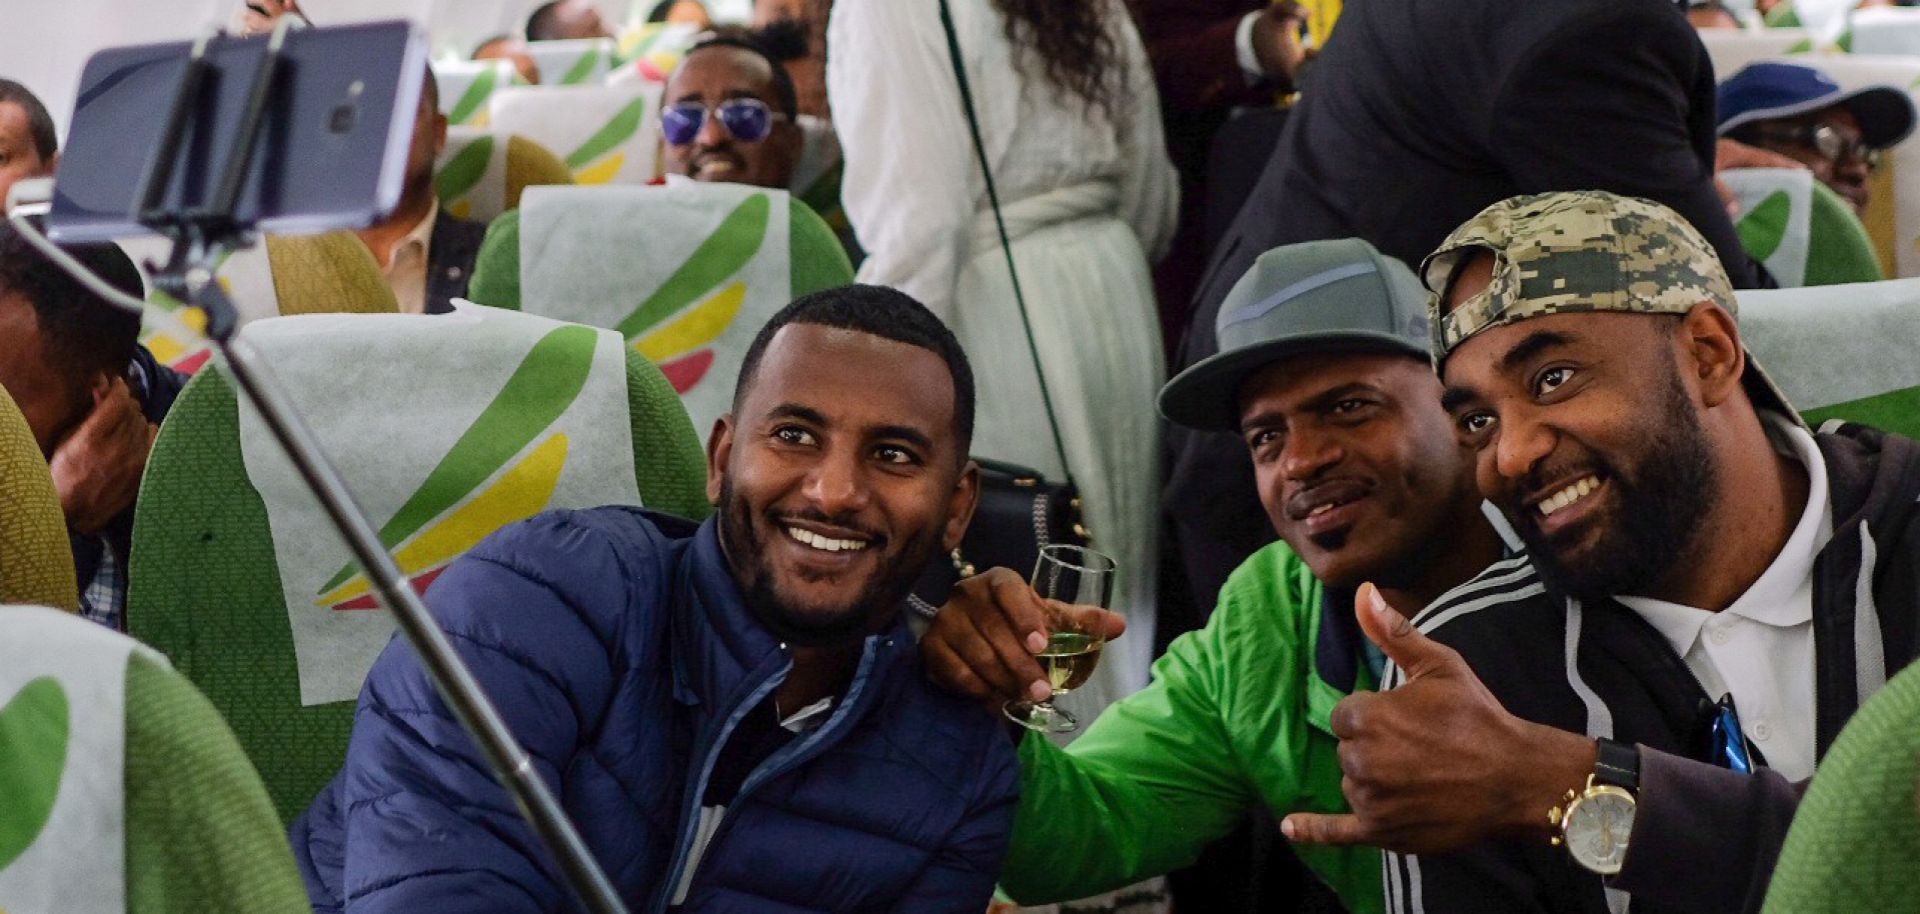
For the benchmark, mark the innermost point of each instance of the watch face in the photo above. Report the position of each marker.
(1597, 828)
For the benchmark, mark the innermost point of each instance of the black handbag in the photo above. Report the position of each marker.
(1019, 510)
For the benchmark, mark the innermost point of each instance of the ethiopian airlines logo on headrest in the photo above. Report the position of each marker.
(504, 468)
(676, 326)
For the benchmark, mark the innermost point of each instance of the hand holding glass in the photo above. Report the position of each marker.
(1070, 581)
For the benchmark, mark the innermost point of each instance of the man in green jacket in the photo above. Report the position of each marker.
(1324, 372)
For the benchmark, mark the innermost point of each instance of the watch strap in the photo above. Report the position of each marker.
(1618, 765)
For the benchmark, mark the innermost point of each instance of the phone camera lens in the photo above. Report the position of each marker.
(341, 120)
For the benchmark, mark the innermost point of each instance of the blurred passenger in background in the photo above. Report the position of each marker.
(29, 147)
(682, 12)
(509, 47)
(93, 398)
(426, 252)
(1711, 14)
(561, 19)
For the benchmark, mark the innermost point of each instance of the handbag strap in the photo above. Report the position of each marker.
(1006, 245)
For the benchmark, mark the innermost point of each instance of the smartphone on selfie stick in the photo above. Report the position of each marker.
(210, 142)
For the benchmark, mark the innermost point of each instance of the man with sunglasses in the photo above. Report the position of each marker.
(729, 115)
(1800, 112)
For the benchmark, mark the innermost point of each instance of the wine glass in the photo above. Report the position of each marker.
(1071, 581)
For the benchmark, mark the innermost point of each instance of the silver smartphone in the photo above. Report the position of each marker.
(331, 153)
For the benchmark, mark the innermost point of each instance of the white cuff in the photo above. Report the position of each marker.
(1243, 49)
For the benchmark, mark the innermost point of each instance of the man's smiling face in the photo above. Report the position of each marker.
(1589, 438)
(834, 489)
(1355, 461)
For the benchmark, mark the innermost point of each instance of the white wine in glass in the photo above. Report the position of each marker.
(1071, 581)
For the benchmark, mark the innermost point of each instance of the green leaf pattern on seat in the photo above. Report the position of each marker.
(540, 389)
(34, 727)
(721, 255)
(475, 96)
(1762, 229)
(463, 172)
(582, 69)
(618, 129)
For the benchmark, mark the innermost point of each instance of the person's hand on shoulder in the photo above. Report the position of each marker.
(983, 641)
(1436, 764)
(97, 469)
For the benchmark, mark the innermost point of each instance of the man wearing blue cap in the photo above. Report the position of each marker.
(1323, 372)
(1800, 112)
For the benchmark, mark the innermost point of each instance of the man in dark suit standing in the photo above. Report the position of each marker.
(426, 252)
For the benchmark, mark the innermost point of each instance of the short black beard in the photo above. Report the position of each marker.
(1663, 505)
(745, 551)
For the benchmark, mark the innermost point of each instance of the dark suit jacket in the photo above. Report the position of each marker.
(450, 255)
(1416, 116)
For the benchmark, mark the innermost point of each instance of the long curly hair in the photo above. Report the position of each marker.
(1072, 41)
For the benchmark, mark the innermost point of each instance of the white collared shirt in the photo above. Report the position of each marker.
(1760, 648)
(407, 264)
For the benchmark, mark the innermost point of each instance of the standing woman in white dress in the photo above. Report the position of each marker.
(1071, 122)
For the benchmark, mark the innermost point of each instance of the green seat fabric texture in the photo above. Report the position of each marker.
(1855, 840)
(205, 590)
(1841, 252)
(817, 259)
(201, 835)
(36, 562)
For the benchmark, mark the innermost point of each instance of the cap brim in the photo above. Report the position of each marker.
(1886, 114)
(1206, 395)
(1765, 394)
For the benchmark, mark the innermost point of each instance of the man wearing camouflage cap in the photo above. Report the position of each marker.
(1630, 710)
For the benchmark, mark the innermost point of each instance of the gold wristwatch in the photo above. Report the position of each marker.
(1595, 824)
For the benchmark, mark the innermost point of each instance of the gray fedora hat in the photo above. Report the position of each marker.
(1318, 296)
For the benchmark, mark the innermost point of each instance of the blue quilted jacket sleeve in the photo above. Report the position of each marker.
(961, 877)
(534, 610)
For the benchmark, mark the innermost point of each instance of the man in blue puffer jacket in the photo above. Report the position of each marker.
(732, 712)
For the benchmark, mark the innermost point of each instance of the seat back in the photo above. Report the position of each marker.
(687, 273)
(572, 62)
(1893, 214)
(604, 134)
(1731, 49)
(1841, 352)
(1856, 833)
(124, 791)
(1886, 30)
(481, 173)
(446, 427)
(36, 564)
(467, 85)
(1804, 233)
(650, 52)
(305, 274)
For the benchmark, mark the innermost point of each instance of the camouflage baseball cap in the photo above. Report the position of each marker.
(1575, 251)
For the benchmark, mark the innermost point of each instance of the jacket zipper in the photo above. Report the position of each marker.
(791, 756)
(689, 810)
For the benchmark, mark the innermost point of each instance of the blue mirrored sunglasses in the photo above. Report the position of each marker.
(749, 120)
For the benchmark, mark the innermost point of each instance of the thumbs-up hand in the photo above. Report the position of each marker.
(1437, 764)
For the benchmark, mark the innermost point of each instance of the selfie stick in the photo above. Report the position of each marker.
(200, 237)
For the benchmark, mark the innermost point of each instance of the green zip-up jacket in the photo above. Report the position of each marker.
(1237, 714)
